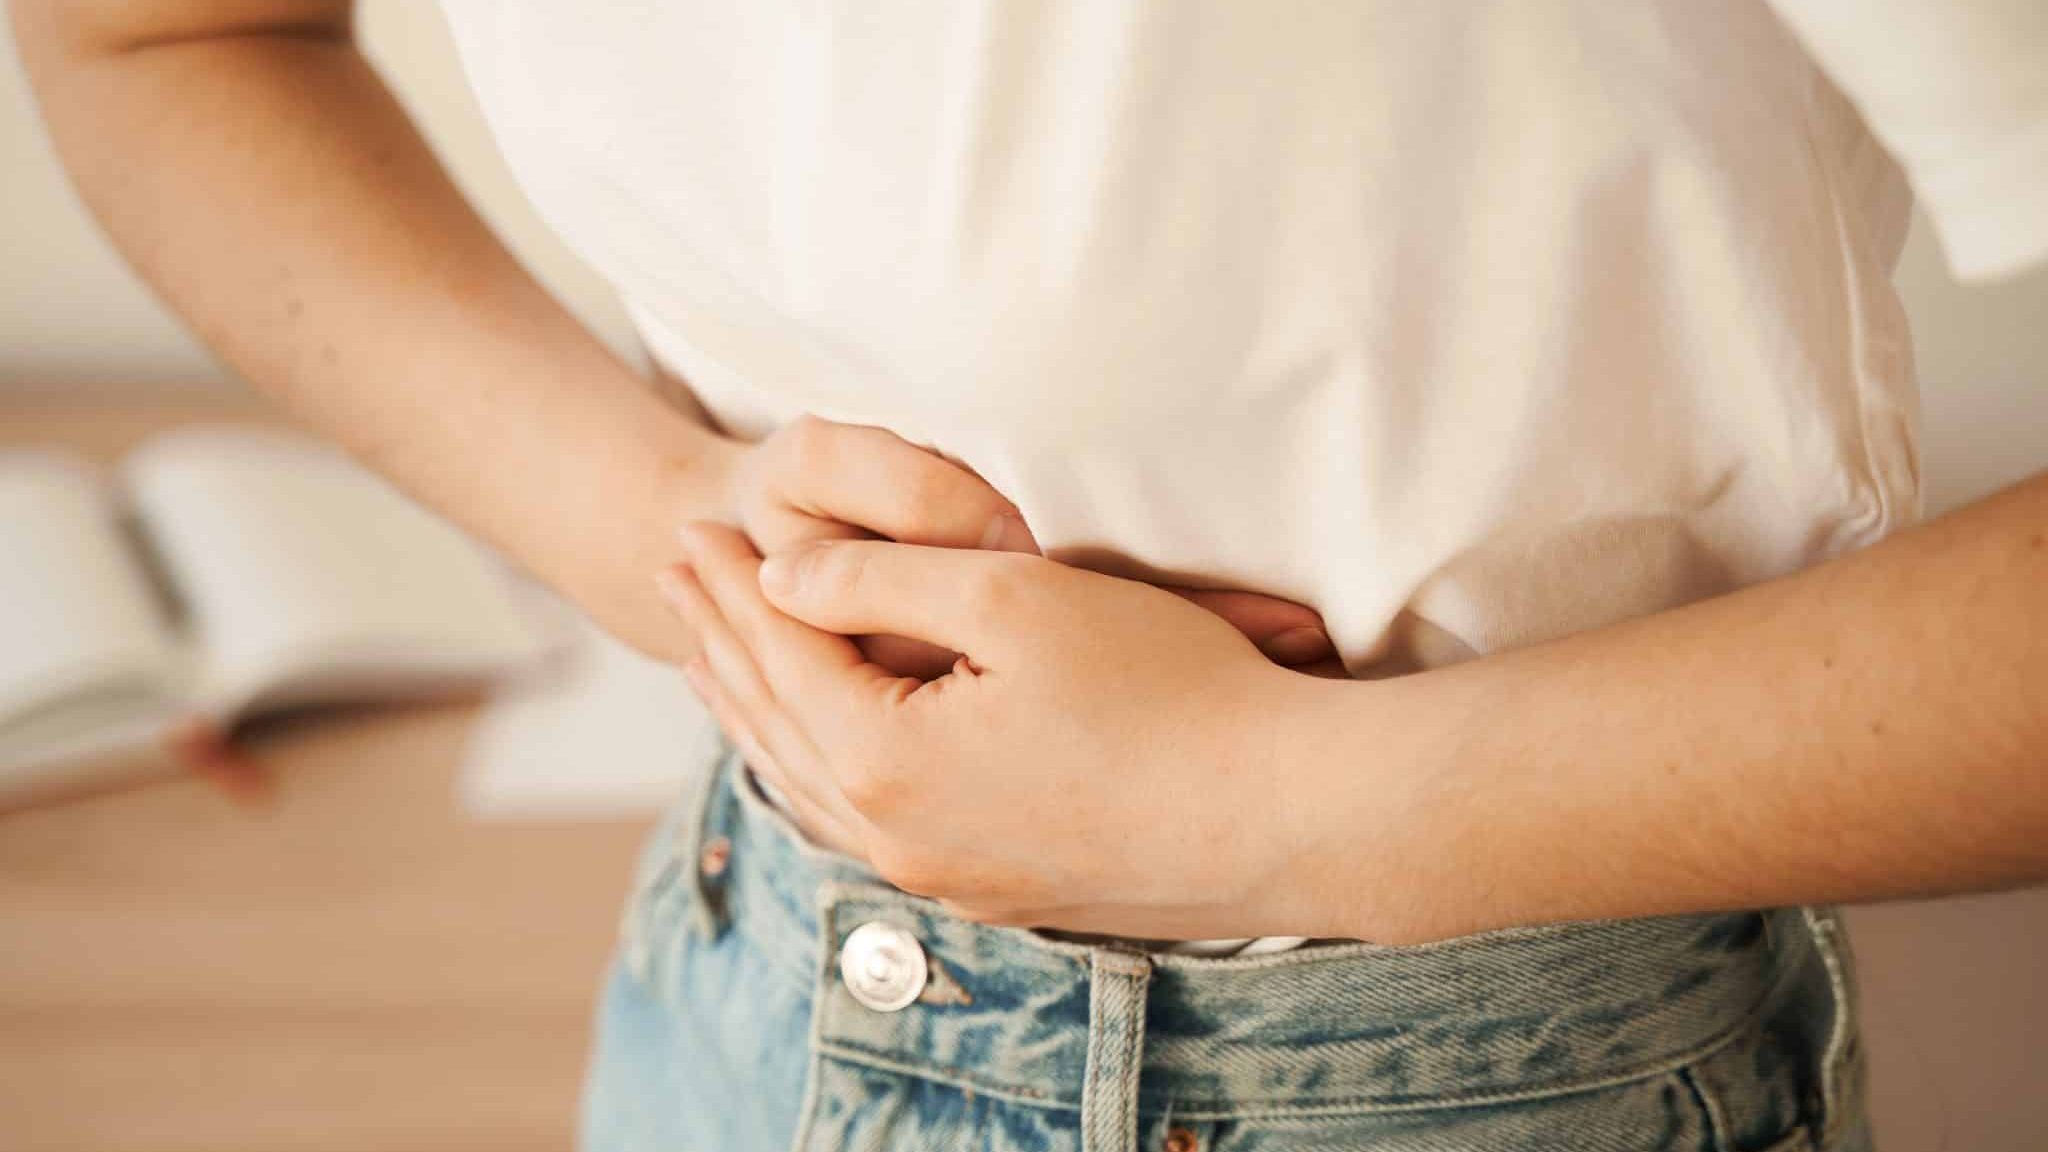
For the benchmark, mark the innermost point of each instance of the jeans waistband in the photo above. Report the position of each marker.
(1330, 1029)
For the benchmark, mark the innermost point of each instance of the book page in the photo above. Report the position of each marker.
(309, 580)
(79, 615)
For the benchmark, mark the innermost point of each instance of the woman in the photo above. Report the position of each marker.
(1543, 351)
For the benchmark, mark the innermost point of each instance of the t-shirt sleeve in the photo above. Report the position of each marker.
(1957, 91)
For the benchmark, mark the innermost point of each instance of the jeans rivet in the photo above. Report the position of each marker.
(883, 966)
(716, 855)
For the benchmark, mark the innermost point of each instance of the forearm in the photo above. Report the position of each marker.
(275, 194)
(1873, 727)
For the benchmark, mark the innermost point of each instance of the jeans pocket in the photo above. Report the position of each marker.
(662, 891)
(706, 1050)
(1791, 1076)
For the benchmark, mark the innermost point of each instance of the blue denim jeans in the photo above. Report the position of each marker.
(733, 1023)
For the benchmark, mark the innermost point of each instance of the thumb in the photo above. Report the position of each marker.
(974, 602)
(873, 480)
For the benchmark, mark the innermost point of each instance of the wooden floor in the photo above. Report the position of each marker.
(351, 967)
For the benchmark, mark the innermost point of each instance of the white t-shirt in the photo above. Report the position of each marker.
(1468, 324)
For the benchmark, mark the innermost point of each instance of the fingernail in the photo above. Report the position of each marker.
(778, 575)
(1299, 646)
(1007, 533)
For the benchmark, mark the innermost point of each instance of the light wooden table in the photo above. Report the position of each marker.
(353, 966)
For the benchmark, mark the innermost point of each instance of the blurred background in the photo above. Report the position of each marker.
(177, 971)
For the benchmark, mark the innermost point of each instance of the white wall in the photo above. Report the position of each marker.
(1983, 357)
(72, 317)
(71, 314)
(1955, 989)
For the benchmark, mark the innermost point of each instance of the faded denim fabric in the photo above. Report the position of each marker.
(726, 1027)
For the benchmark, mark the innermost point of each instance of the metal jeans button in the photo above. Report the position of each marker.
(883, 966)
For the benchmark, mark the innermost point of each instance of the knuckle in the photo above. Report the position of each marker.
(931, 500)
(921, 494)
(833, 569)
(807, 440)
(999, 585)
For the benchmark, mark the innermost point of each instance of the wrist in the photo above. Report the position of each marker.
(615, 527)
(1374, 812)
(698, 478)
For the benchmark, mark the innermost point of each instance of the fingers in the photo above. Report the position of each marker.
(820, 682)
(717, 646)
(1288, 633)
(913, 658)
(821, 480)
(793, 655)
(874, 480)
(966, 601)
(821, 822)
(729, 681)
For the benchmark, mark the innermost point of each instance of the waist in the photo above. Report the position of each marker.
(1516, 1014)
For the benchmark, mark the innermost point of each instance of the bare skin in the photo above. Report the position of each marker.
(1871, 728)
(257, 172)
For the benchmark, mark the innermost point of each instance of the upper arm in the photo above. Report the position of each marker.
(53, 30)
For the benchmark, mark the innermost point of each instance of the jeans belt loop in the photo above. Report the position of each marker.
(1117, 984)
(704, 850)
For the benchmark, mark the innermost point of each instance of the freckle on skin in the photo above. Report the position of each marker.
(1827, 662)
(327, 354)
(294, 307)
(1877, 727)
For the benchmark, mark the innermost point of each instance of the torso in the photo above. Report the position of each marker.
(1468, 324)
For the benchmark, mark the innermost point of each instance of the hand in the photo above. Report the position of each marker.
(1103, 758)
(813, 480)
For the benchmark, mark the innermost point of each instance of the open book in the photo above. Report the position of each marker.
(223, 573)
